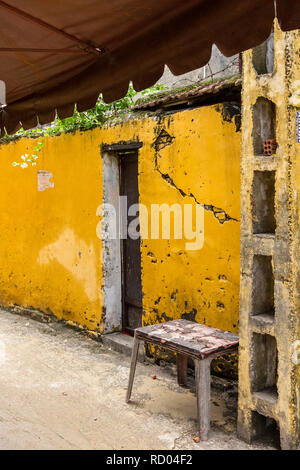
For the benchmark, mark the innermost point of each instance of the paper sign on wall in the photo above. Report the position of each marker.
(44, 180)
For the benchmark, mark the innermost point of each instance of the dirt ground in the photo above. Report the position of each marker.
(63, 390)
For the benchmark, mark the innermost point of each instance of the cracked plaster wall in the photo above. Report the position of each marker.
(200, 162)
(195, 158)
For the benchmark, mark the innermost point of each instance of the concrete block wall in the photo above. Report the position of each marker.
(269, 377)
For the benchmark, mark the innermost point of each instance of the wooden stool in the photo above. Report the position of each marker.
(188, 339)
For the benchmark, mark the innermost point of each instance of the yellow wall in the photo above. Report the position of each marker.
(51, 258)
(203, 159)
(49, 249)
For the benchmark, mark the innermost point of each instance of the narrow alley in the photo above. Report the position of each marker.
(63, 390)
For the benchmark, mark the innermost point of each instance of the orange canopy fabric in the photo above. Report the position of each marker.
(54, 55)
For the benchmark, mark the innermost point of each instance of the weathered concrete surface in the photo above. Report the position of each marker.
(62, 390)
(123, 344)
(219, 66)
(269, 324)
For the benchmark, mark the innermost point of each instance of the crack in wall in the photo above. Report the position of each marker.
(218, 213)
(163, 140)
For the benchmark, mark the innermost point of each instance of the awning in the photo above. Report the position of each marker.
(56, 54)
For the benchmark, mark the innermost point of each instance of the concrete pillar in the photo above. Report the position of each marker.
(269, 370)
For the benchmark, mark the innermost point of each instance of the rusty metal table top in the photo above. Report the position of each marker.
(190, 338)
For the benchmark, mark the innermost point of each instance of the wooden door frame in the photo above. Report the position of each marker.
(112, 317)
(125, 326)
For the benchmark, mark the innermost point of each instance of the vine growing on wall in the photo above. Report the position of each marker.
(94, 117)
(31, 158)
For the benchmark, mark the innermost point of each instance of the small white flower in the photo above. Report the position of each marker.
(24, 165)
(23, 157)
(26, 154)
(15, 164)
(33, 163)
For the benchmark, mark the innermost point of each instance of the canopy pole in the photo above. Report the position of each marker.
(43, 24)
(275, 8)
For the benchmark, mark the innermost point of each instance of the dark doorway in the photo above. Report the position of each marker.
(131, 252)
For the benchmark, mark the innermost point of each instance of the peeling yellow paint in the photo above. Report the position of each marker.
(52, 255)
(78, 258)
(202, 160)
(49, 248)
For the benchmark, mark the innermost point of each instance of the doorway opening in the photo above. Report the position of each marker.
(122, 286)
(130, 246)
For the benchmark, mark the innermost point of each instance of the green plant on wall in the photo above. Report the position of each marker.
(100, 113)
(93, 117)
(28, 159)
(89, 119)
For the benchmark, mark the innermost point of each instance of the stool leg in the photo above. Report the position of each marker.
(202, 377)
(134, 356)
(181, 369)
